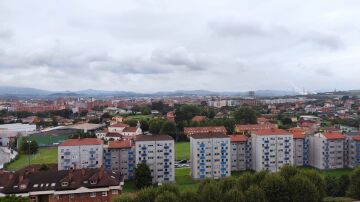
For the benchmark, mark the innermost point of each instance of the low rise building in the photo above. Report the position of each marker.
(248, 128)
(210, 155)
(91, 185)
(204, 130)
(157, 151)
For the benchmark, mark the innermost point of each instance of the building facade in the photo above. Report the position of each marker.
(119, 156)
(210, 155)
(157, 151)
(271, 149)
(240, 152)
(353, 151)
(80, 153)
(327, 150)
(301, 149)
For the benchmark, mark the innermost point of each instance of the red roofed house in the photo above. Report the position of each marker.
(207, 129)
(327, 150)
(271, 149)
(240, 152)
(198, 119)
(120, 157)
(170, 116)
(80, 153)
(247, 128)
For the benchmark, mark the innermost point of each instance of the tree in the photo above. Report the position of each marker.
(245, 181)
(166, 197)
(124, 198)
(155, 126)
(210, 191)
(142, 176)
(255, 194)
(147, 194)
(13, 198)
(189, 196)
(169, 128)
(245, 115)
(234, 195)
(331, 185)
(29, 146)
(354, 187)
(302, 190)
(315, 179)
(144, 125)
(343, 185)
(229, 124)
(186, 112)
(288, 171)
(275, 188)
(168, 188)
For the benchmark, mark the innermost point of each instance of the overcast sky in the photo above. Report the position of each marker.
(150, 45)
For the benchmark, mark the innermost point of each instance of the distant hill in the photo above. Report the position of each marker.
(28, 92)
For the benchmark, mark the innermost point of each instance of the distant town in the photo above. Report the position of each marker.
(90, 149)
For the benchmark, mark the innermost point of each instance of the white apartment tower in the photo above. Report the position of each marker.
(327, 150)
(271, 149)
(210, 155)
(80, 153)
(157, 151)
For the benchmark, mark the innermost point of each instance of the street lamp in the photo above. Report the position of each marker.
(28, 142)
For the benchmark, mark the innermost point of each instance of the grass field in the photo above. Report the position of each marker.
(46, 140)
(182, 151)
(184, 180)
(46, 155)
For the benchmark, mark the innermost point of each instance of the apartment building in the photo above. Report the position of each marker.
(157, 151)
(210, 155)
(301, 149)
(120, 156)
(80, 153)
(204, 130)
(240, 152)
(271, 149)
(327, 150)
(248, 128)
(352, 149)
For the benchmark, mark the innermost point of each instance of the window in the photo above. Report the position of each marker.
(93, 194)
(104, 193)
(114, 191)
(59, 197)
(71, 195)
(64, 184)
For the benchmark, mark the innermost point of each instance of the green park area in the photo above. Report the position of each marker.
(182, 151)
(45, 155)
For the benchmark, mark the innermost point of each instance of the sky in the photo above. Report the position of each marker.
(161, 45)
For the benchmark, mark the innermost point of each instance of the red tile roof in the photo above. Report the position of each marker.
(273, 131)
(207, 129)
(84, 141)
(130, 129)
(119, 125)
(253, 127)
(333, 136)
(298, 135)
(356, 137)
(238, 138)
(198, 118)
(119, 144)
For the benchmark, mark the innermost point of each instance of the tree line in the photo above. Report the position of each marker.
(290, 184)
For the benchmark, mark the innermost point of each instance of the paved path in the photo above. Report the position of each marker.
(6, 156)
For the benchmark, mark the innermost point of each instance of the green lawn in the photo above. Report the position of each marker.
(184, 180)
(335, 172)
(182, 151)
(46, 155)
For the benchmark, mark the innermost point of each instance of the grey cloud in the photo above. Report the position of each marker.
(322, 71)
(326, 40)
(5, 34)
(238, 29)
